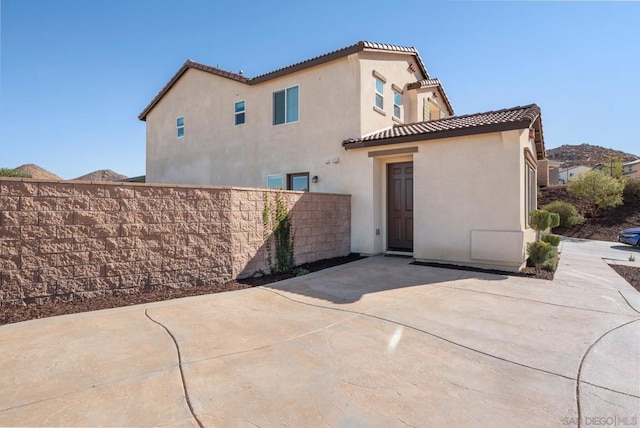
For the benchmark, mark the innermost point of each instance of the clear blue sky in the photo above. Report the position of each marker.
(75, 74)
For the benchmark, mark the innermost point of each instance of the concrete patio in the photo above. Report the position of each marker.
(378, 342)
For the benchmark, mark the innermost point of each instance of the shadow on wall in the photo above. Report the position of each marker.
(349, 283)
(293, 228)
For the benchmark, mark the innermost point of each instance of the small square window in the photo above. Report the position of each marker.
(397, 105)
(275, 181)
(379, 94)
(180, 126)
(239, 111)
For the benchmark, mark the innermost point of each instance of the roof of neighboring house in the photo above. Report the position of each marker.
(569, 168)
(520, 117)
(432, 83)
(358, 47)
(633, 162)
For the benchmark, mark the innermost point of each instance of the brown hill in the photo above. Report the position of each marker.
(102, 175)
(586, 154)
(38, 172)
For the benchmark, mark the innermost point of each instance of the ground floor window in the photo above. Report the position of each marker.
(531, 194)
(298, 181)
(275, 181)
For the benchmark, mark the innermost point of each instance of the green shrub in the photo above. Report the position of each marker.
(568, 213)
(551, 264)
(10, 172)
(631, 192)
(539, 252)
(541, 220)
(551, 239)
(599, 190)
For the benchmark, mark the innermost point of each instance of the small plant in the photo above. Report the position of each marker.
(300, 271)
(551, 239)
(568, 213)
(539, 252)
(542, 220)
(632, 257)
(10, 172)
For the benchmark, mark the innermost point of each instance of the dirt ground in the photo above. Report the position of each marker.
(16, 313)
(631, 274)
(604, 227)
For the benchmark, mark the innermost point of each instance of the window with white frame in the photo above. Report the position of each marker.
(239, 111)
(426, 111)
(397, 104)
(180, 127)
(379, 94)
(275, 181)
(286, 106)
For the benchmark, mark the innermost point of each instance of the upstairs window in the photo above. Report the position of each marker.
(397, 104)
(298, 181)
(180, 126)
(379, 94)
(426, 111)
(239, 111)
(286, 106)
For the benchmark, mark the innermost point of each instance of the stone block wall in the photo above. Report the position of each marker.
(59, 238)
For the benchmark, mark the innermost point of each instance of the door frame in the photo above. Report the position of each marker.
(384, 194)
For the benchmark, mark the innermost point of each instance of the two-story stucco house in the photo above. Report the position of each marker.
(367, 120)
(631, 169)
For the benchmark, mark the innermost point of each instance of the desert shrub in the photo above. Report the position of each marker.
(10, 172)
(539, 252)
(551, 239)
(598, 190)
(568, 213)
(631, 192)
(541, 220)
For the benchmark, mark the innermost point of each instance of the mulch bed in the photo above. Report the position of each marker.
(78, 303)
(630, 273)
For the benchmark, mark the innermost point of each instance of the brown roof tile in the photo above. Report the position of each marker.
(432, 83)
(520, 117)
(358, 47)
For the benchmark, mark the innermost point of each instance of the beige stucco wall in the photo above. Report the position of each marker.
(336, 102)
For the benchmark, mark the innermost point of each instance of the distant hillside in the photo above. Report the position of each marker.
(37, 172)
(585, 154)
(102, 175)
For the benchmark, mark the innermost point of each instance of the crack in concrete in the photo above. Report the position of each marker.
(541, 302)
(582, 363)
(184, 383)
(627, 302)
(451, 341)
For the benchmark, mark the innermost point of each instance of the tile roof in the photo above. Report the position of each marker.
(520, 117)
(432, 83)
(358, 47)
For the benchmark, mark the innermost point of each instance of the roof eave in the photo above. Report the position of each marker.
(459, 132)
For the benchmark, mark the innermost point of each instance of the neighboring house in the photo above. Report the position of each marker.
(367, 120)
(567, 175)
(548, 172)
(631, 169)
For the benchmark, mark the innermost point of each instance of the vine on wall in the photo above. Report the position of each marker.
(278, 234)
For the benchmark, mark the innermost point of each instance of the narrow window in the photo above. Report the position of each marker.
(275, 181)
(298, 181)
(442, 115)
(530, 191)
(286, 106)
(239, 110)
(426, 111)
(379, 94)
(180, 126)
(397, 104)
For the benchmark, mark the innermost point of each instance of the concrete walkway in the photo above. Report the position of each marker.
(377, 342)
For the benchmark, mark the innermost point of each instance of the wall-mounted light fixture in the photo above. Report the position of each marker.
(314, 179)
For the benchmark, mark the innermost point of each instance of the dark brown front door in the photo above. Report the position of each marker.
(400, 206)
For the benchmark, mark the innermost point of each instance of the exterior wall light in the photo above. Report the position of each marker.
(314, 179)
